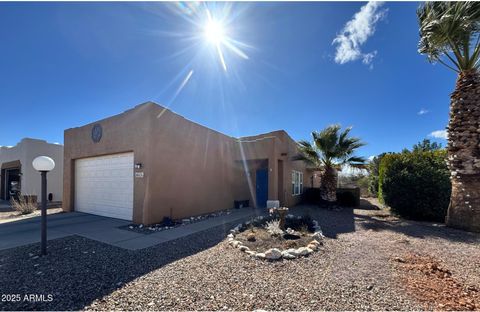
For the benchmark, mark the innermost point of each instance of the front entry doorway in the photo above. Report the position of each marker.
(11, 183)
(262, 187)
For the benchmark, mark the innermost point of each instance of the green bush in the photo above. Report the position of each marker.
(373, 169)
(416, 185)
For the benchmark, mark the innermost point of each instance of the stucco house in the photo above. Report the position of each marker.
(148, 163)
(19, 176)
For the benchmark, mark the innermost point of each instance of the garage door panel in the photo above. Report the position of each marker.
(104, 185)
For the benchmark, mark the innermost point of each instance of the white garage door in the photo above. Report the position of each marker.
(104, 185)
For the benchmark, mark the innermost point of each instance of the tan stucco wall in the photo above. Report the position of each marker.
(193, 169)
(127, 132)
(188, 169)
(275, 146)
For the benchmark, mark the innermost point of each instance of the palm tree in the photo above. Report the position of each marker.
(449, 34)
(331, 149)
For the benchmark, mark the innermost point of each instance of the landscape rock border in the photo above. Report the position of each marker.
(275, 253)
(158, 227)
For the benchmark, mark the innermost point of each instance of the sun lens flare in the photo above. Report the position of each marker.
(213, 29)
(214, 32)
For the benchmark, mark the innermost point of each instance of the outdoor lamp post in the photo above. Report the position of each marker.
(44, 164)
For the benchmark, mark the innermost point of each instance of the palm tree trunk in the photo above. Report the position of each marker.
(464, 153)
(328, 188)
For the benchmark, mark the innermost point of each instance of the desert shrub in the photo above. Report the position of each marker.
(358, 179)
(364, 184)
(273, 227)
(23, 206)
(416, 185)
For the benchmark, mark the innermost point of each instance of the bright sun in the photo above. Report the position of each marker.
(214, 32)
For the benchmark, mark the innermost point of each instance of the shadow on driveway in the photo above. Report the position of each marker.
(78, 270)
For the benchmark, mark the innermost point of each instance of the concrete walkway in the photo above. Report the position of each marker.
(5, 205)
(106, 230)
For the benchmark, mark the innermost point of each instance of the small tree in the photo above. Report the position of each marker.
(330, 150)
(426, 146)
(373, 168)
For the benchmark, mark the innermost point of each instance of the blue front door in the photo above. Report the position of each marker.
(262, 187)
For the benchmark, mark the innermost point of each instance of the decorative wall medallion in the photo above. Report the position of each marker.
(97, 133)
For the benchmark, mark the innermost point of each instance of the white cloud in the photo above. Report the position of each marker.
(439, 134)
(356, 32)
(368, 58)
(423, 111)
(371, 157)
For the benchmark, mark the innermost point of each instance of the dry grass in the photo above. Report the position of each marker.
(12, 216)
(23, 206)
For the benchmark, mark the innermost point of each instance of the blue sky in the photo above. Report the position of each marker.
(63, 65)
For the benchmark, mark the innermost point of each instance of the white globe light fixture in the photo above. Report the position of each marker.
(44, 164)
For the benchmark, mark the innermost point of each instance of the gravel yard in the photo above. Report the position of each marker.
(355, 270)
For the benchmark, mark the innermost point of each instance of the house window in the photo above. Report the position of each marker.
(297, 182)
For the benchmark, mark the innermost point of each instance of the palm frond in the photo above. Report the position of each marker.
(331, 147)
(308, 153)
(449, 33)
(326, 141)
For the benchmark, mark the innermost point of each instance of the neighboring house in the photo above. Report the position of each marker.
(18, 174)
(149, 163)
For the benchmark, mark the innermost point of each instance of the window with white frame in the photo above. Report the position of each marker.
(297, 182)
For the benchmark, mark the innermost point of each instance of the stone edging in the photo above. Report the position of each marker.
(275, 253)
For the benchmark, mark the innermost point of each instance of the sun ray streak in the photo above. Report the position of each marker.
(220, 55)
(247, 173)
(182, 85)
(234, 49)
(177, 92)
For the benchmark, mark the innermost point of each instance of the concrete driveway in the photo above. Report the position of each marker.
(103, 229)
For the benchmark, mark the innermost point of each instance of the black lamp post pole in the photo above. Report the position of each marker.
(44, 212)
